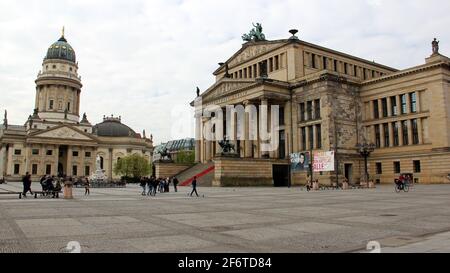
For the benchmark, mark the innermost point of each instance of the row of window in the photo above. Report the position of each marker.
(272, 64)
(397, 127)
(50, 152)
(395, 109)
(322, 62)
(309, 131)
(54, 67)
(397, 167)
(48, 169)
(306, 110)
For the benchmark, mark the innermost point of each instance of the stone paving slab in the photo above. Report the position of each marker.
(229, 220)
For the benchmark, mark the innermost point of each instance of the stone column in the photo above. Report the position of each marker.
(9, 165)
(207, 150)
(389, 106)
(382, 136)
(380, 108)
(314, 137)
(307, 148)
(419, 130)
(410, 132)
(294, 127)
(400, 134)
(110, 172)
(55, 166)
(27, 158)
(399, 105)
(198, 137)
(288, 126)
(391, 134)
(264, 102)
(247, 142)
(69, 161)
(370, 115)
(2, 160)
(408, 104)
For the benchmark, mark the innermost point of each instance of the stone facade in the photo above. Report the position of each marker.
(54, 140)
(326, 100)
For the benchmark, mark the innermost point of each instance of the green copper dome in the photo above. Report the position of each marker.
(61, 50)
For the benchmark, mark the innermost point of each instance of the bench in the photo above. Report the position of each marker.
(12, 192)
(55, 194)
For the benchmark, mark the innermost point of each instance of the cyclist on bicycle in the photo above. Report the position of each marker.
(400, 182)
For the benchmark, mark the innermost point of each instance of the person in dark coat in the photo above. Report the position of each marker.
(175, 183)
(194, 186)
(27, 184)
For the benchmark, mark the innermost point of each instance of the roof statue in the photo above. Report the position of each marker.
(435, 46)
(198, 92)
(5, 120)
(255, 34)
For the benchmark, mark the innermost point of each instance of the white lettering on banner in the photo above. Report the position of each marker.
(323, 161)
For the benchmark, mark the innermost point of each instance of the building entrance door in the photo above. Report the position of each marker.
(280, 175)
(349, 172)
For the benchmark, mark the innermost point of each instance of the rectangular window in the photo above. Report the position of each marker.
(309, 110)
(75, 153)
(313, 61)
(34, 169)
(384, 107)
(355, 71)
(302, 111)
(87, 171)
(376, 110)
(345, 68)
(74, 170)
(68, 106)
(240, 74)
(364, 73)
(51, 105)
(250, 74)
(394, 109)
(377, 136)
(17, 152)
(386, 134)
(413, 101)
(281, 116)
(379, 168)
(87, 154)
(397, 167)
(277, 63)
(49, 152)
(35, 151)
(335, 65)
(304, 138)
(396, 139)
(319, 136)
(48, 169)
(16, 168)
(245, 72)
(324, 62)
(416, 164)
(415, 131)
(311, 137)
(405, 132)
(317, 109)
(403, 101)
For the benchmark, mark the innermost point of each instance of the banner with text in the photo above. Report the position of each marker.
(323, 161)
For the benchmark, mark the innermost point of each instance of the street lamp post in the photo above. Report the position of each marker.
(365, 150)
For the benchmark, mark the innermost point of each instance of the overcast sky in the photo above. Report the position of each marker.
(143, 59)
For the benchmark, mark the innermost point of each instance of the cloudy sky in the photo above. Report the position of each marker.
(143, 59)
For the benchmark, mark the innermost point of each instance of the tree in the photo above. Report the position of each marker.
(185, 157)
(135, 166)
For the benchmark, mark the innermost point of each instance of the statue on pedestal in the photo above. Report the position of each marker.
(435, 46)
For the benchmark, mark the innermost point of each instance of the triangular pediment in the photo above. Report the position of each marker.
(225, 87)
(252, 50)
(63, 132)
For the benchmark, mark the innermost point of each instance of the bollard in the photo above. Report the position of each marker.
(68, 190)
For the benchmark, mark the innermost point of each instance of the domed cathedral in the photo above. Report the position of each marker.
(55, 140)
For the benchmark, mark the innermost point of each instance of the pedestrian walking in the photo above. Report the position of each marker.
(87, 186)
(175, 183)
(194, 186)
(26, 180)
(142, 183)
(150, 185)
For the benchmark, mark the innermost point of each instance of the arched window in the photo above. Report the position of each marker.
(101, 162)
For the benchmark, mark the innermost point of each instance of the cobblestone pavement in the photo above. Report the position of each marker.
(229, 220)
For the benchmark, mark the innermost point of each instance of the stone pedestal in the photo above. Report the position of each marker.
(345, 186)
(68, 191)
(169, 169)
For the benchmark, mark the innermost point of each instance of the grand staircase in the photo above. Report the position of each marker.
(203, 171)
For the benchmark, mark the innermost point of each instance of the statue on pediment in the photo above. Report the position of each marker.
(255, 34)
(435, 46)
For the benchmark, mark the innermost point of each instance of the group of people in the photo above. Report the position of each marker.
(151, 185)
(51, 184)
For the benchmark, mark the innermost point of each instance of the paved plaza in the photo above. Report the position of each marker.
(229, 220)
